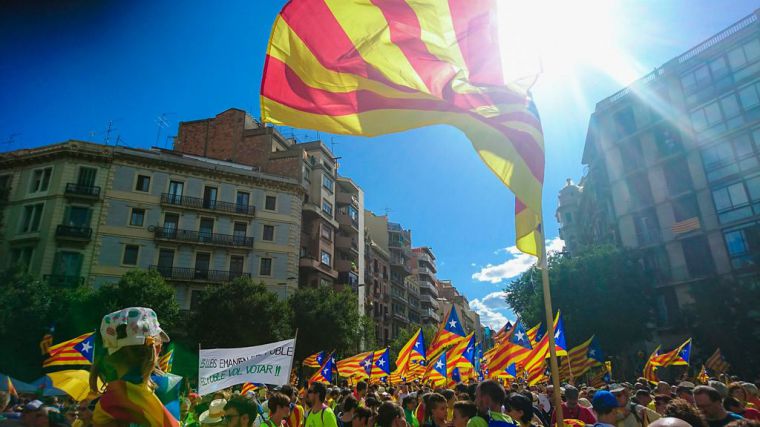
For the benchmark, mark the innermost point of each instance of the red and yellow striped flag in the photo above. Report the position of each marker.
(370, 67)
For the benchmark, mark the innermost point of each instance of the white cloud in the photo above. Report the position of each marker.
(516, 265)
(491, 309)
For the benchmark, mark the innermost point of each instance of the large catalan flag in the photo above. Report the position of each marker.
(413, 351)
(650, 369)
(462, 354)
(437, 371)
(364, 67)
(678, 356)
(581, 358)
(325, 372)
(76, 351)
(449, 333)
(535, 364)
(381, 365)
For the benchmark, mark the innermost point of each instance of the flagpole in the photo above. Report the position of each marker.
(552, 346)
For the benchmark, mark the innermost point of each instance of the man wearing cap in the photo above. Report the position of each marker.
(572, 410)
(685, 391)
(629, 413)
(604, 404)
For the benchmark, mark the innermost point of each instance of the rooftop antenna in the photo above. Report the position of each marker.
(161, 123)
(387, 211)
(108, 132)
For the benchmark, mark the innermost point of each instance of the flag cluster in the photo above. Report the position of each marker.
(678, 356)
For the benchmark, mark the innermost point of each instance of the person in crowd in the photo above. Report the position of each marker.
(753, 395)
(732, 404)
(744, 423)
(214, 415)
(463, 411)
(663, 389)
(572, 410)
(631, 414)
(680, 408)
(685, 391)
(350, 404)
(710, 403)
(604, 404)
(436, 411)
(720, 387)
(670, 422)
(520, 409)
(390, 414)
(279, 410)
(320, 415)
(362, 418)
(738, 392)
(361, 392)
(241, 411)
(643, 397)
(296, 417)
(409, 403)
(451, 398)
(489, 396)
(661, 403)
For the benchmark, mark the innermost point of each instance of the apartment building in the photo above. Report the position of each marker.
(674, 169)
(378, 296)
(424, 268)
(79, 212)
(449, 295)
(235, 136)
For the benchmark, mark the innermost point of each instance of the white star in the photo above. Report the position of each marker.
(439, 365)
(417, 344)
(366, 363)
(325, 371)
(592, 352)
(453, 323)
(520, 336)
(381, 362)
(556, 336)
(469, 349)
(86, 347)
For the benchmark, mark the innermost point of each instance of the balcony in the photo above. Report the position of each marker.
(400, 316)
(346, 242)
(400, 263)
(198, 274)
(424, 256)
(315, 264)
(202, 237)
(349, 278)
(82, 191)
(429, 300)
(63, 280)
(426, 271)
(344, 218)
(399, 297)
(71, 232)
(428, 287)
(431, 314)
(207, 204)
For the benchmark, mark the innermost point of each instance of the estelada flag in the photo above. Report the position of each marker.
(76, 351)
(363, 67)
(449, 333)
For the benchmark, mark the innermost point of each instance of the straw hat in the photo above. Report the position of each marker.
(215, 412)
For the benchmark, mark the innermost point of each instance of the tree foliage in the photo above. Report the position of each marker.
(603, 291)
(725, 315)
(405, 335)
(239, 314)
(328, 320)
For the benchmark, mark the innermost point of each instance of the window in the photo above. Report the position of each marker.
(202, 264)
(325, 258)
(243, 200)
(175, 192)
(40, 180)
(743, 245)
(327, 207)
(270, 203)
(696, 79)
(698, 256)
(750, 96)
(677, 176)
(206, 229)
(625, 123)
(632, 154)
(171, 223)
(77, 216)
(86, 177)
(328, 183)
(30, 222)
(67, 263)
(685, 208)
(130, 255)
(268, 234)
(209, 197)
(137, 218)
(22, 256)
(265, 267)
(745, 54)
(353, 213)
(326, 231)
(647, 227)
(236, 266)
(731, 112)
(143, 183)
(240, 231)
(732, 202)
(165, 262)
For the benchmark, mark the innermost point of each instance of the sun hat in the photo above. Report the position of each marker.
(215, 412)
(130, 326)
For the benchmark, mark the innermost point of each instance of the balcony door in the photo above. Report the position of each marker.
(77, 216)
(206, 229)
(165, 262)
(171, 222)
(67, 264)
(202, 263)
(86, 177)
(239, 232)
(236, 266)
(209, 197)
(175, 192)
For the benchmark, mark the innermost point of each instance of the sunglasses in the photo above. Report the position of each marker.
(228, 418)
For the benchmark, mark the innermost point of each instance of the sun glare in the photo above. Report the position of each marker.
(562, 38)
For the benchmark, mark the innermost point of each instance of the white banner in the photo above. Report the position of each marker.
(220, 368)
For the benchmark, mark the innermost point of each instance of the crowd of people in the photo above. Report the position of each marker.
(478, 404)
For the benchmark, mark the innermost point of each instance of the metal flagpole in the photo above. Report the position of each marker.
(550, 321)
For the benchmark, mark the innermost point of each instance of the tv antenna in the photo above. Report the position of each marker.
(161, 123)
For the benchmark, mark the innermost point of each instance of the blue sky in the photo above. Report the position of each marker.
(67, 70)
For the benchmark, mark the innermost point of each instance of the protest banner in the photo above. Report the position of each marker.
(220, 368)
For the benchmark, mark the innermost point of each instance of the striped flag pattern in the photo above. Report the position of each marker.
(368, 67)
(650, 368)
(717, 362)
(76, 351)
(315, 360)
(511, 351)
(166, 361)
(449, 333)
(536, 333)
(686, 225)
(535, 364)
(581, 358)
(412, 351)
(247, 388)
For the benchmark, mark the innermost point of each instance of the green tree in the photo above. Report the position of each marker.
(239, 314)
(328, 320)
(603, 291)
(725, 315)
(405, 335)
(138, 288)
(28, 309)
